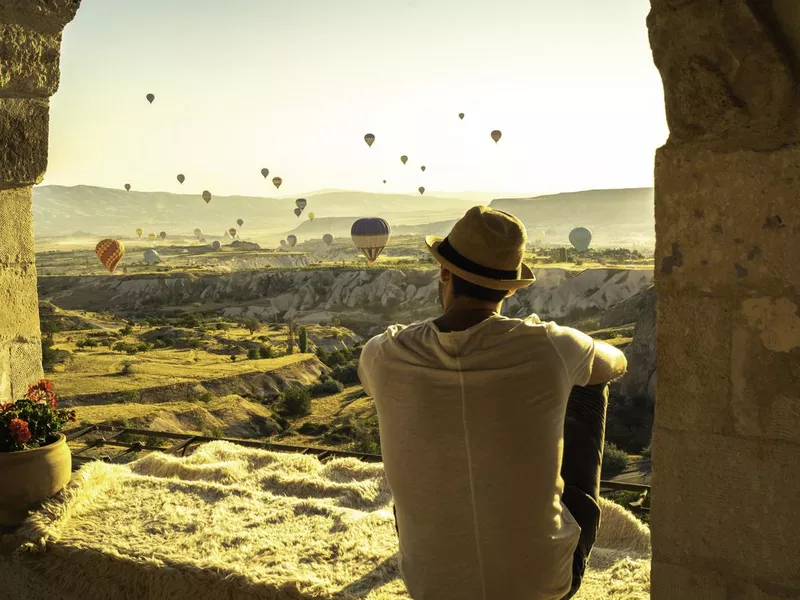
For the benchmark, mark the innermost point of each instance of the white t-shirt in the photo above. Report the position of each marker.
(471, 426)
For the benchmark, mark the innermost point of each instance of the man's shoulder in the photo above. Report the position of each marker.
(377, 343)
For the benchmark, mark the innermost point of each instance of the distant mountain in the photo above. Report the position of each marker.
(59, 210)
(613, 216)
(340, 227)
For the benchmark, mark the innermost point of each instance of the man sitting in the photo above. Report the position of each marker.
(476, 411)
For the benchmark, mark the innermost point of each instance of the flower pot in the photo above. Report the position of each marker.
(29, 477)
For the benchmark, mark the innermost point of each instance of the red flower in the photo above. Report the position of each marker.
(73, 416)
(42, 392)
(5, 407)
(19, 430)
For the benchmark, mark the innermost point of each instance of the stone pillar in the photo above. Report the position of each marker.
(726, 446)
(30, 40)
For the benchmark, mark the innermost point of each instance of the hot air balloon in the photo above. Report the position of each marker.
(298, 212)
(181, 178)
(404, 159)
(198, 232)
(150, 98)
(265, 172)
(291, 239)
(216, 245)
(207, 196)
(423, 168)
(540, 236)
(232, 231)
(139, 232)
(163, 235)
(239, 222)
(384, 181)
(369, 138)
(496, 135)
(283, 243)
(311, 216)
(461, 116)
(277, 181)
(580, 238)
(110, 252)
(151, 236)
(327, 239)
(421, 190)
(370, 235)
(127, 187)
(301, 203)
(151, 257)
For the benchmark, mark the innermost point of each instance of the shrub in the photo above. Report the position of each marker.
(127, 330)
(233, 358)
(615, 460)
(265, 351)
(346, 373)
(326, 387)
(252, 325)
(335, 358)
(127, 368)
(297, 401)
(313, 428)
(302, 340)
(131, 396)
(206, 397)
(646, 451)
(129, 348)
(252, 354)
(50, 355)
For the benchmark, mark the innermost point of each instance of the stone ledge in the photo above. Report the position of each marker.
(24, 127)
(29, 61)
(16, 227)
(47, 16)
(26, 366)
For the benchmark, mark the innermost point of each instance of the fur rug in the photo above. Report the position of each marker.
(229, 522)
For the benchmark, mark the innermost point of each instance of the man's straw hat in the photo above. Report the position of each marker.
(485, 247)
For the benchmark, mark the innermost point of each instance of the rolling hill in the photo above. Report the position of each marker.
(612, 215)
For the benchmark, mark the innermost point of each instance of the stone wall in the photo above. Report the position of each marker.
(30, 39)
(726, 445)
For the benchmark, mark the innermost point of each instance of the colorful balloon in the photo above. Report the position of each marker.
(421, 190)
(404, 159)
(384, 181)
(277, 181)
(216, 245)
(580, 238)
(239, 222)
(151, 236)
(198, 232)
(207, 196)
(496, 135)
(232, 232)
(127, 187)
(327, 239)
(370, 235)
(301, 203)
(110, 252)
(423, 168)
(291, 239)
(163, 235)
(311, 216)
(181, 178)
(298, 212)
(283, 243)
(150, 98)
(139, 232)
(265, 172)
(461, 116)
(369, 138)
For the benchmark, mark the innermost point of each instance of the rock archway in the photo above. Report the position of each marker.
(727, 434)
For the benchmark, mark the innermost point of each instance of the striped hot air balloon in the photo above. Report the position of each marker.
(370, 235)
(110, 252)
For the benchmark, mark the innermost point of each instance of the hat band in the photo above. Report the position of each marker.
(452, 255)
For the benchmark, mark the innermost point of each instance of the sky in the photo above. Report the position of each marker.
(294, 85)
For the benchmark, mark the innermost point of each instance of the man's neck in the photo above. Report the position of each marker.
(465, 313)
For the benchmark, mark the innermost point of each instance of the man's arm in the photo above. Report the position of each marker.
(609, 363)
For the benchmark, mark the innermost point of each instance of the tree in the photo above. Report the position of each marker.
(297, 401)
(302, 340)
(290, 338)
(253, 325)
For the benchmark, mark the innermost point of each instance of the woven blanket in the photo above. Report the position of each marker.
(229, 522)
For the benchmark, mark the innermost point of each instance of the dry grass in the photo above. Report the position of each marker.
(234, 523)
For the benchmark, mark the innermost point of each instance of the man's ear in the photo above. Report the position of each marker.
(444, 275)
